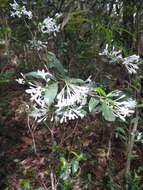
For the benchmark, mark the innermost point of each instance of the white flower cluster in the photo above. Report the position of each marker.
(37, 44)
(21, 80)
(37, 92)
(70, 113)
(138, 136)
(19, 11)
(121, 108)
(116, 56)
(72, 94)
(130, 62)
(69, 103)
(49, 25)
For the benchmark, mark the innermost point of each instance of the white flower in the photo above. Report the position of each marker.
(123, 109)
(39, 114)
(49, 25)
(45, 75)
(37, 44)
(70, 102)
(58, 15)
(69, 113)
(27, 13)
(20, 81)
(139, 135)
(14, 5)
(19, 11)
(114, 55)
(37, 95)
(131, 63)
(120, 107)
(72, 94)
(105, 51)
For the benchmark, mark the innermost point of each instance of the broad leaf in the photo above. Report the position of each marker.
(92, 104)
(63, 163)
(65, 174)
(77, 81)
(75, 166)
(50, 93)
(101, 91)
(38, 74)
(25, 184)
(53, 62)
(107, 112)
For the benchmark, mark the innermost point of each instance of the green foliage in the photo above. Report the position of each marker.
(3, 3)
(101, 91)
(25, 184)
(54, 63)
(121, 133)
(69, 170)
(107, 112)
(50, 93)
(135, 182)
(92, 104)
(110, 185)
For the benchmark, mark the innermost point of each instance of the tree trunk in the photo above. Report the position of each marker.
(128, 24)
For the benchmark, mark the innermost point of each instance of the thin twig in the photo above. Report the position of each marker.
(32, 135)
(130, 148)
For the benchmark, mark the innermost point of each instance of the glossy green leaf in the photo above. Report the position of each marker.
(24, 183)
(50, 93)
(63, 163)
(53, 62)
(65, 174)
(75, 166)
(107, 112)
(101, 91)
(92, 104)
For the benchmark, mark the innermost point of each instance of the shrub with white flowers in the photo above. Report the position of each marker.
(68, 98)
(19, 11)
(49, 25)
(115, 56)
(37, 44)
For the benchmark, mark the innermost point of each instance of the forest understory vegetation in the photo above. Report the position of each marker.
(71, 95)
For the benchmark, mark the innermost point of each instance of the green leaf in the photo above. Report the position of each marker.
(83, 112)
(50, 93)
(33, 74)
(53, 62)
(120, 130)
(77, 81)
(82, 157)
(107, 112)
(65, 174)
(101, 91)
(25, 184)
(38, 75)
(65, 169)
(75, 166)
(63, 163)
(92, 104)
(67, 184)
